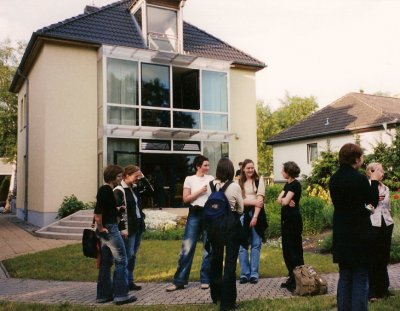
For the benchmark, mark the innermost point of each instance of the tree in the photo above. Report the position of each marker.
(9, 58)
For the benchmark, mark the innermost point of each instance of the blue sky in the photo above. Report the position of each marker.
(324, 48)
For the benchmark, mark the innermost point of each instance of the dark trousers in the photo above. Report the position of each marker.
(223, 286)
(378, 273)
(292, 247)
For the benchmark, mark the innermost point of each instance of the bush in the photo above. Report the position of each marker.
(273, 211)
(71, 205)
(272, 192)
(326, 245)
(312, 210)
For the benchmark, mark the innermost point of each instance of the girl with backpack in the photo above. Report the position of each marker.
(253, 221)
(223, 283)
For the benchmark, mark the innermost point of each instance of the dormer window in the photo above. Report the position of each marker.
(160, 23)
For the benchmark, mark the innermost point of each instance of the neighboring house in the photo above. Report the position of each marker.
(128, 83)
(368, 119)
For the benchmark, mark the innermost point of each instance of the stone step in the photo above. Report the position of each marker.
(65, 229)
(59, 235)
(75, 223)
(83, 217)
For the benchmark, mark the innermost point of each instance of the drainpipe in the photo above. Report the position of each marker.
(26, 158)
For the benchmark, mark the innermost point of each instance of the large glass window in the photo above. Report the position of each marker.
(155, 86)
(217, 122)
(214, 151)
(188, 120)
(122, 82)
(214, 91)
(162, 28)
(122, 115)
(186, 90)
(122, 151)
(156, 118)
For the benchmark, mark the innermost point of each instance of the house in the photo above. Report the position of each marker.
(368, 119)
(127, 83)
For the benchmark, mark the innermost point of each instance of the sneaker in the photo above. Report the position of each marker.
(243, 280)
(174, 287)
(253, 280)
(129, 300)
(133, 286)
(205, 286)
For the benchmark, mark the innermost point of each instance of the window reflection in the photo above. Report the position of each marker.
(218, 122)
(122, 81)
(157, 118)
(155, 86)
(214, 91)
(189, 120)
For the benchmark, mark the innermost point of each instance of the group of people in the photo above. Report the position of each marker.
(362, 228)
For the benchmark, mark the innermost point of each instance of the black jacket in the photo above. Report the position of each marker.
(352, 230)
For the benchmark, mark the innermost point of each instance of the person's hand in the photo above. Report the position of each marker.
(121, 208)
(124, 235)
(102, 229)
(253, 222)
(203, 189)
(292, 203)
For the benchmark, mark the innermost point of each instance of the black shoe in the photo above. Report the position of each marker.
(288, 283)
(124, 302)
(253, 280)
(104, 300)
(133, 286)
(243, 280)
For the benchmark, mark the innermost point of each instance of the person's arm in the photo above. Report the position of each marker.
(189, 197)
(279, 199)
(99, 223)
(288, 197)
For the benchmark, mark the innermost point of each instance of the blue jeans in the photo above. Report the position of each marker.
(249, 266)
(193, 229)
(352, 289)
(132, 244)
(112, 250)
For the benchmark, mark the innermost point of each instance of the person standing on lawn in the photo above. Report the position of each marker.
(291, 222)
(353, 198)
(382, 226)
(132, 224)
(112, 246)
(195, 193)
(254, 226)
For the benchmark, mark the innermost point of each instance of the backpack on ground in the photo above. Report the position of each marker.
(308, 281)
(218, 214)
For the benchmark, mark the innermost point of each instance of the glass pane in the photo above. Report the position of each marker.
(154, 144)
(214, 151)
(180, 145)
(157, 42)
(218, 122)
(155, 85)
(214, 91)
(188, 120)
(186, 89)
(122, 115)
(122, 81)
(162, 21)
(122, 151)
(157, 118)
(138, 17)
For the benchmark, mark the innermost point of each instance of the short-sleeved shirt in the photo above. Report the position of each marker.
(294, 187)
(194, 183)
(251, 191)
(106, 205)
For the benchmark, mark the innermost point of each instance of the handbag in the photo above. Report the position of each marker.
(90, 242)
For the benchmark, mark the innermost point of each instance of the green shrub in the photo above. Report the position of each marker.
(395, 247)
(272, 192)
(313, 216)
(327, 214)
(326, 244)
(69, 206)
(273, 211)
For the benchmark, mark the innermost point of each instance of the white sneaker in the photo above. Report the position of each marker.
(205, 286)
(174, 287)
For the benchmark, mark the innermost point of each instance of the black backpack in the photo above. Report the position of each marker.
(218, 214)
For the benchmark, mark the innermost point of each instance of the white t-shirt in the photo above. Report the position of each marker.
(194, 183)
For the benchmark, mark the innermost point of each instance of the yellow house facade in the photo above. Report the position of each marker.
(89, 97)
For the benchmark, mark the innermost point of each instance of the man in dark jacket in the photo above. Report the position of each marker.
(354, 198)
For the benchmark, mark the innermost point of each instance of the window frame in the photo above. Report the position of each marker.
(310, 153)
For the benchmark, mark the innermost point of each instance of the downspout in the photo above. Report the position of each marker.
(26, 158)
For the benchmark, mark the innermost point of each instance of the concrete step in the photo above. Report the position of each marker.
(88, 218)
(75, 223)
(59, 235)
(65, 229)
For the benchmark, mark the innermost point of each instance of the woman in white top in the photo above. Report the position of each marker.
(254, 225)
(382, 224)
(223, 285)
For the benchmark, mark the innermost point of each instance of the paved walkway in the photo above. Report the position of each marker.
(55, 292)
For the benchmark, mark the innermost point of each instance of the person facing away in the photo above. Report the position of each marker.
(223, 273)
(132, 221)
(352, 197)
(195, 193)
(253, 192)
(291, 222)
(239, 171)
(382, 227)
(112, 247)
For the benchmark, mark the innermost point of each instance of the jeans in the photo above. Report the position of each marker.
(223, 286)
(132, 244)
(193, 229)
(352, 289)
(112, 250)
(249, 267)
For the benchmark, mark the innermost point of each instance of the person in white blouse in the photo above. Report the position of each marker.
(382, 224)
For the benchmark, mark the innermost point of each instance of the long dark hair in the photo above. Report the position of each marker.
(225, 170)
(243, 177)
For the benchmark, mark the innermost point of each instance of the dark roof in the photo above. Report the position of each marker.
(114, 25)
(352, 112)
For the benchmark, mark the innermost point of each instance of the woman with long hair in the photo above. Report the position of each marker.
(253, 191)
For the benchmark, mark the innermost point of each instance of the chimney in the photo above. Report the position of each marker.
(90, 9)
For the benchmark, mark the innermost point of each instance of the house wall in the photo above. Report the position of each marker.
(243, 118)
(62, 123)
(297, 151)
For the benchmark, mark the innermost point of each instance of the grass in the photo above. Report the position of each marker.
(156, 262)
(318, 303)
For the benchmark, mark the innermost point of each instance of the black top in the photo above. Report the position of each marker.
(352, 230)
(294, 187)
(106, 205)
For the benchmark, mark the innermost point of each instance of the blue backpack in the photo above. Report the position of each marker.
(217, 210)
